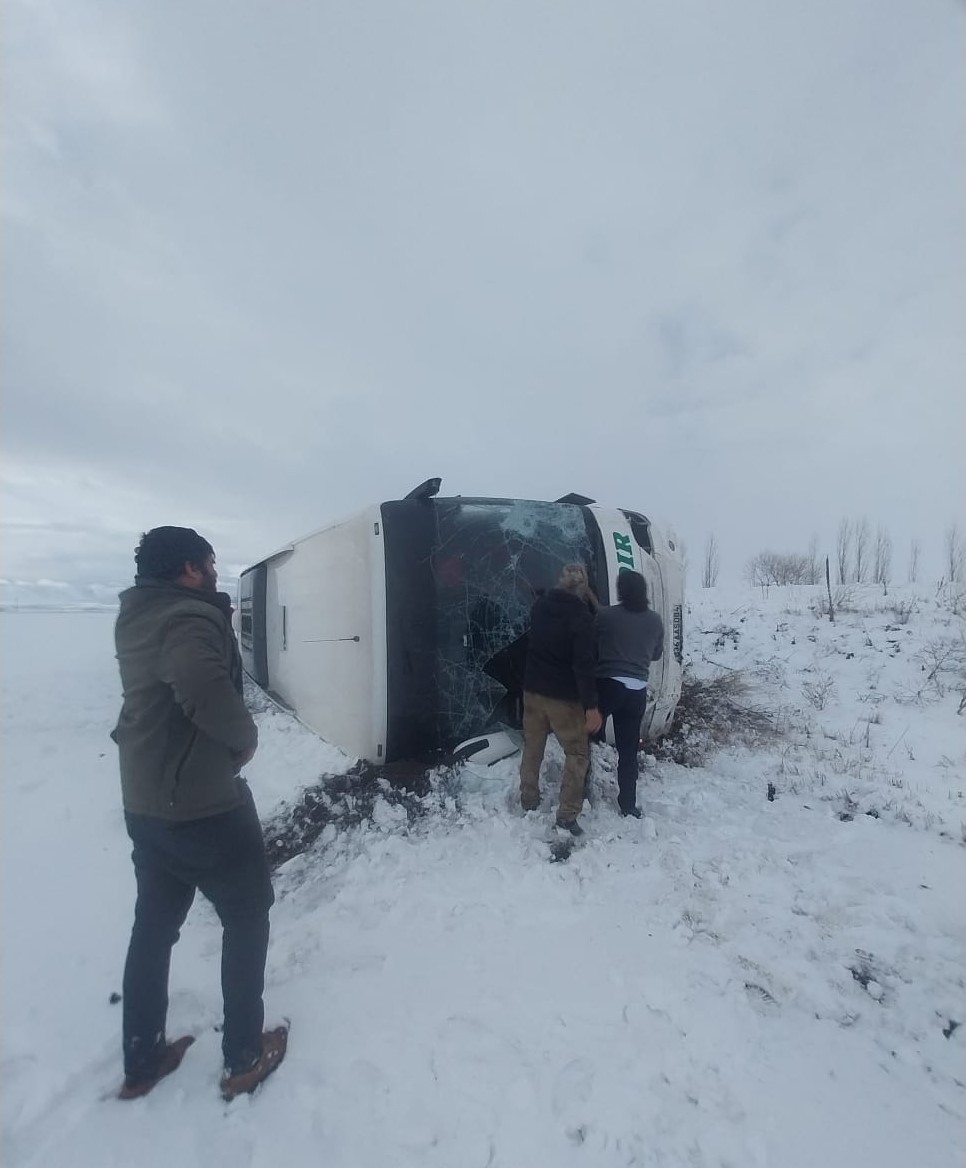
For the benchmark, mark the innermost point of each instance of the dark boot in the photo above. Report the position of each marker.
(570, 825)
(244, 1082)
(170, 1061)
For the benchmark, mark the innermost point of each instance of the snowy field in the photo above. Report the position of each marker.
(733, 981)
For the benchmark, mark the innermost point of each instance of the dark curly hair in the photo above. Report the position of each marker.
(164, 551)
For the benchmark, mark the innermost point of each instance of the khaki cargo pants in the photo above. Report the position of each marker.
(567, 720)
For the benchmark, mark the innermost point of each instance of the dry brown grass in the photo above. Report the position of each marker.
(712, 714)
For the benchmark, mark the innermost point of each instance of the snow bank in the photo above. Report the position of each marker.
(732, 981)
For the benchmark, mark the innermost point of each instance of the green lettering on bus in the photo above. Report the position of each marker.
(625, 550)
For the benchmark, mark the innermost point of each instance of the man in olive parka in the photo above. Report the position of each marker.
(183, 735)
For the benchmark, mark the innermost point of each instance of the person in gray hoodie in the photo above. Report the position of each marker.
(630, 635)
(183, 735)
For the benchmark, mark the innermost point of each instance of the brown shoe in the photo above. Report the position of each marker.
(170, 1061)
(274, 1045)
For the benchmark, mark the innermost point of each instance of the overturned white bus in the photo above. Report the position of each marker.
(399, 632)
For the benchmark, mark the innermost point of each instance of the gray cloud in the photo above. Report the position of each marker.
(265, 269)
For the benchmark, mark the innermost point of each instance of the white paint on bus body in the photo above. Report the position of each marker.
(319, 607)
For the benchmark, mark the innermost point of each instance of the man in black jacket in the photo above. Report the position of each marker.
(183, 736)
(559, 692)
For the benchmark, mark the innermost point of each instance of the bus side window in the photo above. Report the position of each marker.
(641, 530)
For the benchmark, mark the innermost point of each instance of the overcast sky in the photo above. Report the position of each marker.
(267, 263)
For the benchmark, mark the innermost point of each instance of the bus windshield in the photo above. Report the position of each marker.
(480, 565)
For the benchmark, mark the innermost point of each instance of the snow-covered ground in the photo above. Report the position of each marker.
(732, 981)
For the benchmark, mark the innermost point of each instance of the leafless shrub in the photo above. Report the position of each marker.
(843, 600)
(820, 606)
(712, 714)
(779, 568)
(907, 695)
(820, 691)
(943, 660)
(902, 610)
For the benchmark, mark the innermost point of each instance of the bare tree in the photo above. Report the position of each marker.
(757, 571)
(815, 566)
(862, 535)
(915, 548)
(882, 557)
(843, 550)
(955, 554)
(778, 568)
(711, 563)
(828, 586)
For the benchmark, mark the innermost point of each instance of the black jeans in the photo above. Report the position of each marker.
(626, 706)
(223, 856)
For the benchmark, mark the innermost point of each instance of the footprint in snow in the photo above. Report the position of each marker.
(572, 1086)
(761, 1000)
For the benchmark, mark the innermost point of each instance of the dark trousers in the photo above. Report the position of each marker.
(223, 856)
(626, 707)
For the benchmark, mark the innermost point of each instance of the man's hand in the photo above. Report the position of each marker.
(241, 757)
(593, 721)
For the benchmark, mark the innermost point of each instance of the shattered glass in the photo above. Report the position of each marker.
(490, 561)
